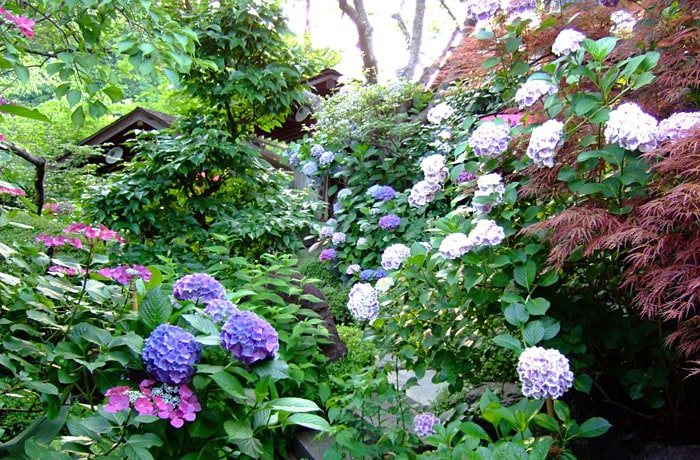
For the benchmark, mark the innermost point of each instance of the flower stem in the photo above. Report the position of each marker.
(550, 406)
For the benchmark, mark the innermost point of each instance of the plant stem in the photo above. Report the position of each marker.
(550, 406)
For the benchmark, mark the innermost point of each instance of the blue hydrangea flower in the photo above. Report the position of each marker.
(310, 169)
(518, 6)
(338, 238)
(362, 302)
(326, 231)
(379, 273)
(170, 353)
(198, 287)
(317, 151)
(220, 309)
(326, 158)
(381, 192)
(389, 222)
(367, 274)
(424, 423)
(544, 373)
(249, 337)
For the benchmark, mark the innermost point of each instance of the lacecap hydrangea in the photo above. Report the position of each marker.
(249, 337)
(362, 302)
(394, 255)
(489, 140)
(198, 287)
(170, 353)
(424, 424)
(631, 128)
(544, 373)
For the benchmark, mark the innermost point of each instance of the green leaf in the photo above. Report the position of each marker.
(43, 429)
(74, 96)
(78, 116)
(238, 430)
(42, 387)
(508, 342)
(311, 421)
(202, 324)
(155, 309)
(599, 49)
(519, 68)
(251, 447)
(22, 73)
(230, 385)
(293, 405)
(512, 44)
(547, 422)
(276, 369)
(516, 314)
(474, 430)
(533, 333)
(537, 306)
(583, 383)
(24, 112)
(593, 427)
(490, 62)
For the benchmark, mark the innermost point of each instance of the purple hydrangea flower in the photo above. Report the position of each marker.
(422, 193)
(198, 287)
(631, 128)
(486, 233)
(568, 41)
(677, 125)
(465, 176)
(532, 91)
(310, 168)
(124, 273)
(317, 151)
(544, 142)
(491, 187)
(544, 373)
(454, 245)
(609, 3)
(249, 337)
(326, 158)
(489, 140)
(389, 222)
(381, 192)
(481, 10)
(367, 274)
(424, 424)
(292, 158)
(362, 302)
(518, 6)
(170, 353)
(394, 255)
(338, 238)
(327, 254)
(434, 168)
(439, 113)
(220, 309)
(326, 231)
(379, 273)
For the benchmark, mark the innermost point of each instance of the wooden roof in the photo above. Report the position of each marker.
(121, 129)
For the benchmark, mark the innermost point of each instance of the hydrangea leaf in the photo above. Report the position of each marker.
(155, 308)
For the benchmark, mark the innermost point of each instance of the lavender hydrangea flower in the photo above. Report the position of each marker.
(544, 373)
(609, 3)
(489, 140)
(367, 274)
(327, 254)
(381, 192)
(344, 194)
(434, 168)
(568, 41)
(198, 287)
(292, 157)
(338, 238)
(532, 91)
(220, 309)
(362, 302)
(317, 150)
(326, 158)
(544, 142)
(389, 222)
(631, 128)
(249, 337)
(352, 269)
(326, 231)
(422, 193)
(481, 10)
(518, 6)
(486, 233)
(440, 112)
(310, 169)
(380, 273)
(394, 255)
(465, 176)
(424, 424)
(489, 186)
(169, 354)
(361, 241)
(454, 245)
(332, 222)
(623, 23)
(677, 125)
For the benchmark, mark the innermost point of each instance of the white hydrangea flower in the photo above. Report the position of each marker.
(489, 140)
(434, 169)
(544, 142)
(631, 128)
(491, 186)
(440, 112)
(623, 24)
(454, 245)
(677, 125)
(394, 255)
(532, 91)
(486, 233)
(544, 373)
(362, 302)
(384, 284)
(422, 193)
(568, 41)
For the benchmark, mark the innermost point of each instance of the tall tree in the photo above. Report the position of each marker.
(358, 15)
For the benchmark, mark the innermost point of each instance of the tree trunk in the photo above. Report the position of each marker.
(416, 40)
(40, 166)
(358, 15)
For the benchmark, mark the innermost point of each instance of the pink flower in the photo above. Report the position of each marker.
(12, 191)
(118, 399)
(144, 406)
(51, 241)
(2, 138)
(25, 25)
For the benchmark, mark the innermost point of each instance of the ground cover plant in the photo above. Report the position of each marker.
(537, 246)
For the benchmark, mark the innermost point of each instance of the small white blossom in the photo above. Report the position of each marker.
(568, 41)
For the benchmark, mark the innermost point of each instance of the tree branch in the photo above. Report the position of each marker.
(40, 166)
(358, 15)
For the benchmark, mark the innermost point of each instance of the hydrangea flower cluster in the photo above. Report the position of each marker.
(568, 41)
(465, 176)
(249, 337)
(61, 270)
(677, 125)
(454, 245)
(198, 287)
(384, 284)
(434, 168)
(310, 168)
(123, 274)
(327, 254)
(381, 192)
(544, 142)
(292, 157)
(518, 6)
(394, 255)
(440, 112)
(389, 222)
(362, 302)
(220, 309)
(532, 91)
(338, 238)
(485, 233)
(316, 150)
(489, 140)
(344, 194)
(12, 191)
(481, 10)
(422, 193)
(58, 209)
(326, 158)
(424, 424)
(544, 373)
(631, 128)
(352, 269)
(326, 231)
(100, 233)
(24, 24)
(58, 240)
(361, 242)
(164, 401)
(623, 23)
(169, 354)
(489, 186)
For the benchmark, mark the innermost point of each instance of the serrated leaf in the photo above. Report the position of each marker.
(202, 324)
(508, 342)
(293, 405)
(533, 333)
(238, 430)
(593, 427)
(155, 309)
(229, 384)
(311, 421)
(252, 447)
